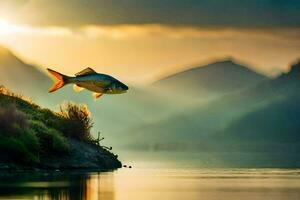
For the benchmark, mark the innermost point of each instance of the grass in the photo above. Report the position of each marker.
(29, 132)
(77, 121)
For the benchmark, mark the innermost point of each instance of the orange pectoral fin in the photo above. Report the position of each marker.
(97, 95)
(77, 88)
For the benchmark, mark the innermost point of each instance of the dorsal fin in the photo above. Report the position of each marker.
(86, 71)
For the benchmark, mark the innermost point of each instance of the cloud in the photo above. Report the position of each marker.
(133, 31)
(214, 13)
(182, 32)
(147, 49)
(148, 30)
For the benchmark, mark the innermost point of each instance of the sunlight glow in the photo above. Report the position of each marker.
(6, 27)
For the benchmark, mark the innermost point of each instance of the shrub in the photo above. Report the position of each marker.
(16, 151)
(51, 141)
(50, 119)
(12, 121)
(78, 122)
(60, 143)
(18, 142)
(30, 140)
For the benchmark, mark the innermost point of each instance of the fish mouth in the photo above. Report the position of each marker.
(125, 87)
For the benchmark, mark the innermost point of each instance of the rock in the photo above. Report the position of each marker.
(82, 156)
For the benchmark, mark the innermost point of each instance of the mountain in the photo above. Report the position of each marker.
(256, 127)
(215, 78)
(263, 110)
(278, 121)
(20, 76)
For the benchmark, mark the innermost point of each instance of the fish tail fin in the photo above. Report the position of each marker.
(59, 80)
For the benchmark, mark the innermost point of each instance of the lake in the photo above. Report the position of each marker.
(156, 179)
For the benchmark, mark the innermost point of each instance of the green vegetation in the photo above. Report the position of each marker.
(77, 121)
(28, 132)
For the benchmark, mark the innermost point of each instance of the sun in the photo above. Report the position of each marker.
(6, 27)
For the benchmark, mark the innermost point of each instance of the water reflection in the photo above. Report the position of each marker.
(57, 186)
(155, 183)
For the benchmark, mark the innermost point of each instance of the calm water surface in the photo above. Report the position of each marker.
(156, 180)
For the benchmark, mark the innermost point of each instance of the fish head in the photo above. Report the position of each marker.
(117, 87)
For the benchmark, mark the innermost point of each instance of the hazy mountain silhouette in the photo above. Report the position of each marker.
(216, 78)
(19, 76)
(278, 121)
(265, 113)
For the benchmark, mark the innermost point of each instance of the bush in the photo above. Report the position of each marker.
(30, 140)
(12, 121)
(51, 141)
(78, 122)
(16, 151)
(18, 143)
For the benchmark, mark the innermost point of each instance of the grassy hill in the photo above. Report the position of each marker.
(34, 137)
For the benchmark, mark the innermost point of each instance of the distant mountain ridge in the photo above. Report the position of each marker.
(218, 77)
(19, 76)
(267, 113)
(279, 120)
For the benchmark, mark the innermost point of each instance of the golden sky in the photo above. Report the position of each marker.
(138, 51)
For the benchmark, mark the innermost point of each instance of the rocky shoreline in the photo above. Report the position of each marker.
(83, 156)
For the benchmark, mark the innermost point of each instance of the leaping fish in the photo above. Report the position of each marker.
(89, 79)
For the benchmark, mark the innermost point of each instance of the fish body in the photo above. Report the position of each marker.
(89, 79)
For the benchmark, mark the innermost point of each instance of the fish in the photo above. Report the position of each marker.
(89, 79)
